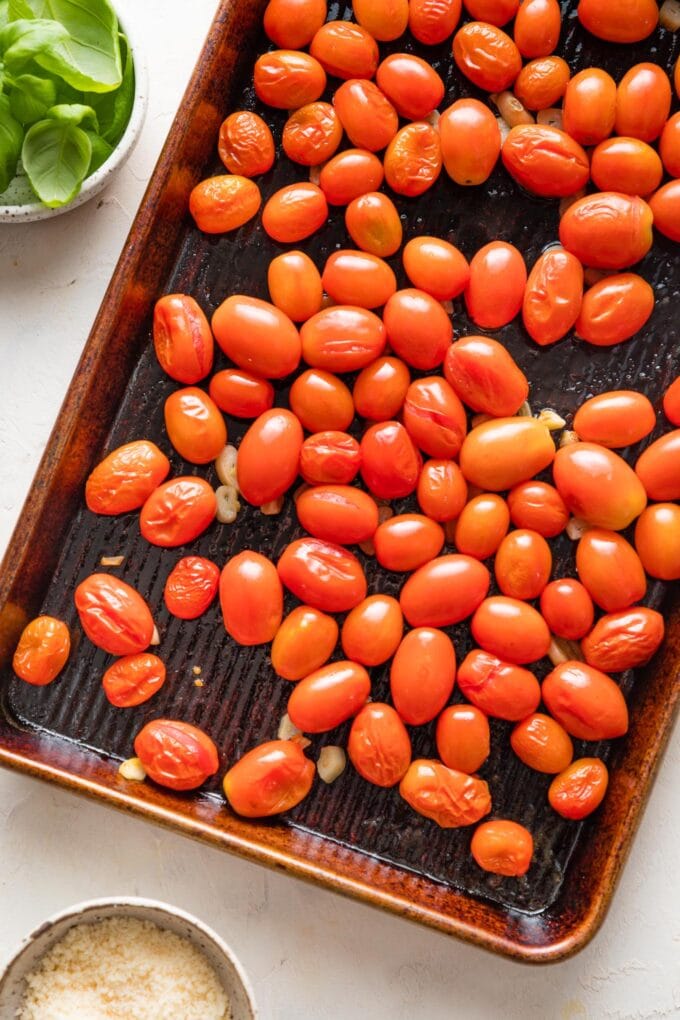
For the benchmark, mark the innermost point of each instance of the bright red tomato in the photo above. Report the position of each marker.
(615, 419)
(133, 679)
(182, 338)
(444, 591)
(303, 643)
(418, 329)
(42, 651)
(567, 608)
(175, 754)
(408, 541)
(390, 463)
(330, 458)
(485, 376)
(379, 746)
(251, 598)
(500, 689)
(598, 486)
(337, 513)
(270, 779)
(545, 160)
(658, 468)
(269, 455)
(342, 338)
(669, 146)
(380, 389)
(553, 296)
(494, 293)
(113, 615)
(471, 141)
(450, 798)
(257, 337)
(538, 506)
(442, 490)
(580, 789)
(511, 630)
(241, 394)
(434, 417)
(329, 696)
(191, 587)
(463, 738)
(125, 479)
(422, 675)
(373, 630)
(322, 574)
(585, 701)
(624, 640)
(610, 569)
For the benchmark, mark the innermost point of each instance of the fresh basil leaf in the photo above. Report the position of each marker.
(90, 59)
(21, 41)
(11, 137)
(74, 113)
(56, 157)
(114, 108)
(19, 9)
(4, 13)
(101, 150)
(31, 97)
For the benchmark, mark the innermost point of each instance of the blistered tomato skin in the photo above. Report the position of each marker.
(506, 451)
(487, 56)
(444, 591)
(626, 22)
(251, 598)
(257, 336)
(545, 160)
(579, 789)
(495, 290)
(366, 114)
(436, 267)
(373, 630)
(553, 296)
(511, 630)
(643, 102)
(626, 164)
(287, 79)
(624, 640)
(357, 278)
(349, 175)
(432, 21)
(434, 417)
(133, 679)
(342, 338)
(607, 230)
(312, 134)
(442, 490)
(418, 329)
(422, 675)
(337, 513)
(542, 83)
(125, 479)
(610, 569)
(665, 206)
(384, 19)
(182, 338)
(42, 651)
(598, 486)
(113, 615)
(330, 458)
(329, 696)
(322, 574)
(295, 212)
(537, 27)
(380, 389)
(374, 225)
(223, 203)
(321, 401)
(482, 525)
(390, 463)
(292, 24)
(587, 702)
(503, 848)
(523, 564)
(589, 107)
(542, 744)
(194, 425)
(413, 160)
(615, 419)
(471, 141)
(303, 643)
(450, 798)
(567, 608)
(538, 506)
(240, 393)
(269, 456)
(245, 144)
(191, 587)
(412, 86)
(657, 540)
(408, 541)
(658, 468)
(485, 376)
(345, 50)
(269, 779)
(501, 689)
(614, 309)
(379, 746)
(176, 754)
(178, 512)
(463, 738)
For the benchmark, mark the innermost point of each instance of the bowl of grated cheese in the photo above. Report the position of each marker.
(124, 959)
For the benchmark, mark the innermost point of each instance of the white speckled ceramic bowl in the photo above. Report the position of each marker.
(218, 953)
(25, 208)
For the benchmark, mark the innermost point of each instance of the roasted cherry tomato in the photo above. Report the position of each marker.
(413, 160)
(463, 738)
(502, 847)
(182, 338)
(434, 417)
(366, 114)
(624, 640)
(598, 486)
(450, 798)
(321, 401)
(292, 24)
(407, 541)
(303, 643)
(251, 598)
(245, 144)
(422, 675)
(337, 513)
(380, 389)
(442, 490)
(585, 701)
(485, 376)
(312, 134)
(295, 212)
(412, 85)
(436, 267)
(537, 27)
(626, 164)
(342, 338)
(350, 175)
(542, 83)
(553, 296)
(657, 540)
(357, 278)
(494, 293)
(323, 574)
(240, 394)
(345, 50)
(379, 746)
(390, 463)
(374, 225)
(676, 77)
(432, 21)
(384, 19)
(500, 689)
(482, 526)
(523, 564)
(665, 207)
(471, 141)
(418, 329)
(329, 458)
(224, 203)
(133, 679)
(542, 744)
(506, 451)
(113, 615)
(669, 146)
(125, 479)
(589, 108)
(269, 456)
(510, 629)
(257, 336)
(580, 789)
(610, 569)
(288, 79)
(567, 608)
(487, 56)
(177, 512)
(191, 587)
(615, 419)
(545, 160)
(175, 754)
(329, 696)
(614, 309)
(496, 12)
(643, 102)
(538, 506)
(625, 22)
(271, 778)
(607, 230)
(373, 630)
(42, 651)
(195, 425)
(658, 468)
(444, 591)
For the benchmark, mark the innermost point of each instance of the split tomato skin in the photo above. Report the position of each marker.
(338, 513)
(342, 338)
(303, 643)
(487, 56)
(329, 696)
(610, 569)
(503, 847)
(288, 79)
(269, 779)
(269, 456)
(251, 598)
(485, 376)
(542, 744)
(598, 486)
(42, 651)
(545, 160)
(177, 512)
(133, 680)
(624, 640)
(373, 630)
(538, 506)
(245, 144)
(176, 754)
(615, 419)
(379, 746)
(380, 389)
(471, 141)
(448, 797)
(511, 630)
(657, 540)
(434, 417)
(418, 329)
(191, 587)
(390, 463)
(330, 458)
(614, 309)
(411, 84)
(482, 525)
(553, 295)
(422, 675)
(240, 393)
(442, 490)
(495, 290)
(113, 615)
(463, 738)
(607, 230)
(195, 425)
(658, 468)
(323, 575)
(125, 479)
(567, 608)
(182, 338)
(257, 336)
(506, 451)
(444, 591)
(408, 541)
(585, 701)
(580, 789)
(501, 689)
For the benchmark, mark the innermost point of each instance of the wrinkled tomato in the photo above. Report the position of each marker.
(502, 847)
(434, 417)
(133, 679)
(542, 83)
(442, 490)
(379, 746)
(322, 574)
(580, 789)
(585, 701)
(450, 798)
(330, 458)
(224, 203)
(545, 160)
(614, 309)
(432, 21)
(245, 144)
(487, 56)
(624, 640)
(342, 338)
(485, 376)
(182, 338)
(390, 463)
(42, 651)
(553, 296)
(366, 114)
(413, 160)
(176, 754)
(191, 587)
(312, 134)
(194, 425)
(542, 744)
(177, 512)
(501, 689)
(113, 615)
(607, 230)
(287, 79)
(270, 779)
(345, 50)
(125, 479)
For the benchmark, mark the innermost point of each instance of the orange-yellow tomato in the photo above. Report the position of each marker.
(607, 230)
(432, 21)
(182, 338)
(615, 419)
(482, 526)
(470, 141)
(379, 746)
(321, 401)
(444, 591)
(487, 56)
(436, 267)
(358, 278)
(669, 146)
(567, 608)
(342, 338)
(374, 225)
(542, 744)
(268, 456)
(553, 296)
(42, 651)
(422, 675)
(257, 336)
(337, 513)
(495, 290)
(411, 84)
(614, 309)
(240, 393)
(295, 212)
(537, 27)
(658, 468)
(502, 847)
(366, 114)
(626, 164)
(349, 175)
(177, 512)
(598, 486)
(176, 754)
(413, 160)
(580, 789)
(450, 798)
(589, 108)
(287, 79)
(624, 22)
(542, 83)
(418, 329)
(312, 134)
(657, 540)
(665, 207)
(496, 12)
(245, 144)
(384, 19)
(113, 615)
(485, 376)
(390, 463)
(643, 102)
(463, 738)
(295, 285)
(501, 689)
(539, 506)
(523, 564)
(195, 425)
(224, 203)
(624, 640)
(373, 630)
(292, 24)
(322, 574)
(329, 458)
(434, 417)
(442, 490)
(303, 643)
(134, 679)
(545, 160)
(251, 598)
(407, 541)
(329, 696)
(511, 630)
(501, 453)
(585, 701)
(271, 778)
(345, 50)
(380, 389)
(125, 479)
(610, 569)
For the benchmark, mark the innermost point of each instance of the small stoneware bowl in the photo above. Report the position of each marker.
(21, 204)
(40, 941)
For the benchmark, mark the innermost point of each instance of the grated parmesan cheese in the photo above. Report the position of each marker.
(123, 968)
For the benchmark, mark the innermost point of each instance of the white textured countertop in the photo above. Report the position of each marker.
(310, 954)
